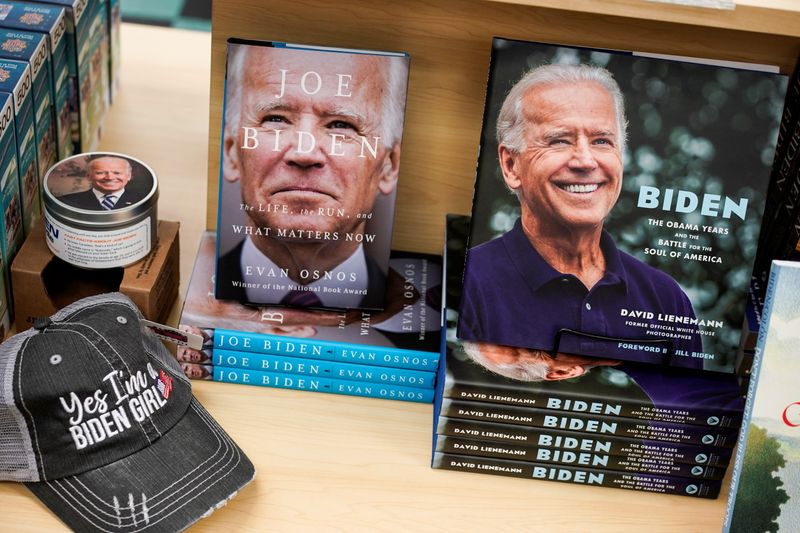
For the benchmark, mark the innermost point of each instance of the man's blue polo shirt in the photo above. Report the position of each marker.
(512, 296)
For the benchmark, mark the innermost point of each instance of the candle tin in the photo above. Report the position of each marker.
(100, 209)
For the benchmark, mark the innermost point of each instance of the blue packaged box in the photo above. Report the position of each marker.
(88, 67)
(50, 21)
(5, 300)
(15, 78)
(10, 202)
(32, 47)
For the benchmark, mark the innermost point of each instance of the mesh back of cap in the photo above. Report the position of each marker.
(17, 460)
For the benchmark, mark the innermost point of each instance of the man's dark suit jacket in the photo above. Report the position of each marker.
(229, 270)
(88, 200)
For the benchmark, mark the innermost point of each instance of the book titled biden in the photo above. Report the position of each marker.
(664, 484)
(309, 165)
(618, 203)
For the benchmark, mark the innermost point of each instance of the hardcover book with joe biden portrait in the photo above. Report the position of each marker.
(309, 164)
(618, 203)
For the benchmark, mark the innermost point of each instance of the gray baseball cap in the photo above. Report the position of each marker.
(99, 422)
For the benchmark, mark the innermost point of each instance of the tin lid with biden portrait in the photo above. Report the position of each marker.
(101, 186)
(99, 422)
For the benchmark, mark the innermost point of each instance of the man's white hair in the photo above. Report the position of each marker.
(395, 72)
(511, 121)
(534, 368)
(93, 160)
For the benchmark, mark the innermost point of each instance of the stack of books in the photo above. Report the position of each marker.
(389, 354)
(619, 424)
(300, 288)
(593, 316)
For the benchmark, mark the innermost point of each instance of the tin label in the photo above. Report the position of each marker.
(98, 249)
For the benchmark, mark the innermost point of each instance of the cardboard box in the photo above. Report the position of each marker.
(5, 307)
(10, 198)
(50, 283)
(32, 48)
(50, 21)
(88, 67)
(15, 79)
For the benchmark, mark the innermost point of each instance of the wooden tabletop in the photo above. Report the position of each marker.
(324, 462)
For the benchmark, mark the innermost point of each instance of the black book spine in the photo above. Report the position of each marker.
(784, 234)
(538, 454)
(779, 230)
(583, 476)
(637, 410)
(595, 424)
(787, 129)
(564, 440)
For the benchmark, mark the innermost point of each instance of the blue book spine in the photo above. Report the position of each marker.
(240, 341)
(325, 369)
(317, 384)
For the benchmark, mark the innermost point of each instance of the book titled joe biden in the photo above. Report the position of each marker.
(618, 203)
(309, 164)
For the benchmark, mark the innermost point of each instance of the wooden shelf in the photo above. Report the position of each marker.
(775, 17)
(450, 41)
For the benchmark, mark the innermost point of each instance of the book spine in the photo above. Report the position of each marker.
(601, 425)
(564, 440)
(763, 331)
(582, 476)
(775, 223)
(317, 349)
(327, 369)
(568, 402)
(786, 231)
(316, 384)
(787, 131)
(780, 229)
(567, 457)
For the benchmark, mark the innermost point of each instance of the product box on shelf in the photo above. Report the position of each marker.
(88, 68)
(11, 203)
(32, 48)
(15, 78)
(5, 301)
(50, 21)
(11, 219)
(51, 283)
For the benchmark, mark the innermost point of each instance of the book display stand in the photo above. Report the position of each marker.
(335, 462)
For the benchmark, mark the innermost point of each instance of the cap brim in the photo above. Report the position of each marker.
(182, 477)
